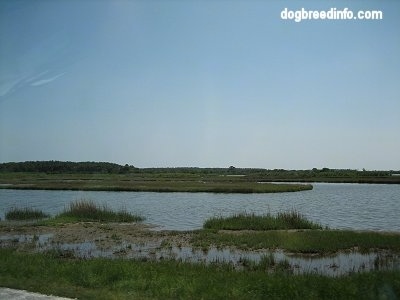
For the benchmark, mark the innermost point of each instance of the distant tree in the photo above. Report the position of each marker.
(60, 167)
(124, 169)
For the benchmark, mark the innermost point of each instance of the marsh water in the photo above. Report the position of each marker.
(341, 263)
(341, 206)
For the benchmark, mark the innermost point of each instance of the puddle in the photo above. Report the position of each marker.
(342, 263)
(39, 239)
(82, 250)
(336, 265)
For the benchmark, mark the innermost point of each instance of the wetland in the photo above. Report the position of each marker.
(97, 260)
(335, 240)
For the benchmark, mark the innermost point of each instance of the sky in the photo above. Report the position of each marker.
(199, 84)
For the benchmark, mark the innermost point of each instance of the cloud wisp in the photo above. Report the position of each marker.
(7, 86)
(13, 83)
(47, 80)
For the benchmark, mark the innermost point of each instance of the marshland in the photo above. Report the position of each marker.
(92, 239)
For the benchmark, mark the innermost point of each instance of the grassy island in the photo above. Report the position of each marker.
(103, 176)
(146, 182)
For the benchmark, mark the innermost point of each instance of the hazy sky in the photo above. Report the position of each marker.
(199, 83)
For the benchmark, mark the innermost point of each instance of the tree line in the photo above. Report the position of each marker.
(54, 166)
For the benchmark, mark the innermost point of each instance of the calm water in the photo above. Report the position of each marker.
(344, 206)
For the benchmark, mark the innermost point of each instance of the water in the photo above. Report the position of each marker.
(341, 206)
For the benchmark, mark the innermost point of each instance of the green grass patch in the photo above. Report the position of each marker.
(27, 213)
(307, 241)
(129, 279)
(88, 211)
(244, 221)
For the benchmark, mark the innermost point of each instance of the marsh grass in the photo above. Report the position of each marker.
(133, 279)
(307, 241)
(27, 213)
(244, 221)
(88, 211)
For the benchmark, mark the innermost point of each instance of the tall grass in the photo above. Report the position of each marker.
(27, 213)
(86, 210)
(244, 221)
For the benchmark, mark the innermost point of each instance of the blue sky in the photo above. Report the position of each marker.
(199, 83)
